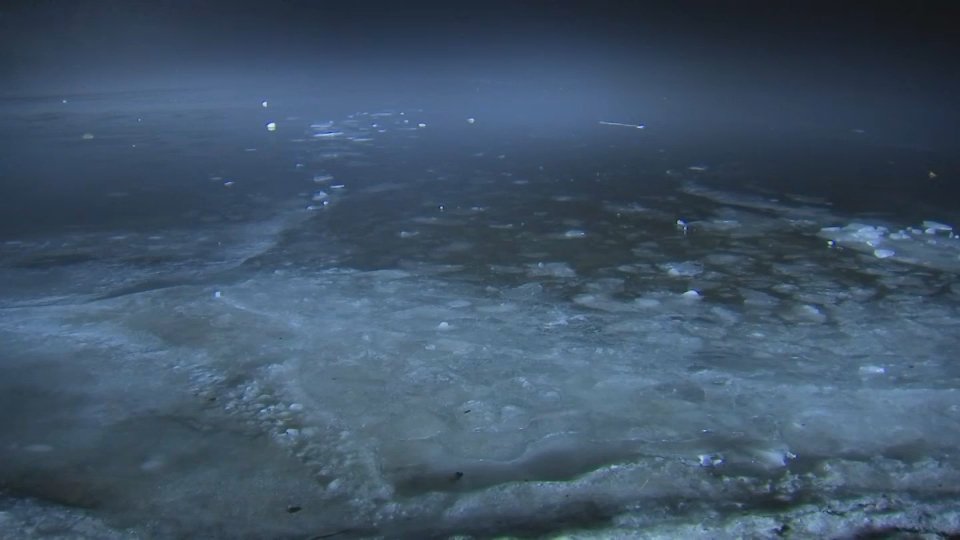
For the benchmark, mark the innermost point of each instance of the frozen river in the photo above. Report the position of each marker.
(221, 318)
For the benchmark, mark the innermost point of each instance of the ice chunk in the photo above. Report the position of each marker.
(646, 302)
(710, 460)
(773, 458)
(865, 233)
(524, 292)
(681, 269)
(806, 312)
(555, 269)
(933, 226)
(883, 253)
(931, 250)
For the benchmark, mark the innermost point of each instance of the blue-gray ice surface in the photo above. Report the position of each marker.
(496, 365)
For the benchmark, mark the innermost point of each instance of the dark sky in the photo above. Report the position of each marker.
(83, 45)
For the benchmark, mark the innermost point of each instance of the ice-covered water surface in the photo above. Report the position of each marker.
(433, 340)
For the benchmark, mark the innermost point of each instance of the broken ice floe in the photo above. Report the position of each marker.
(554, 269)
(923, 247)
(682, 269)
(755, 202)
(932, 227)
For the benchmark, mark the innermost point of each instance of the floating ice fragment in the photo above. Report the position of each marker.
(931, 227)
(681, 269)
(471, 120)
(443, 326)
(322, 178)
(883, 253)
(691, 294)
(320, 196)
(554, 269)
(263, 104)
(575, 233)
(271, 126)
(698, 168)
(810, 313)
(856, 232)
(646, 302)
(421, 125)
(710, 460)
(682, 225)
(216, 294)
(865, 233)
(873, 370)
(295, 407)
(775, 458)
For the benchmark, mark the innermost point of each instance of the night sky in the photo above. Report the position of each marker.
(806, 65)
(62, 45)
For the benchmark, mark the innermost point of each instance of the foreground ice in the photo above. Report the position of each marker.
(369, 399)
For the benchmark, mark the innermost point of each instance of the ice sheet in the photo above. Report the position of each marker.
(487, 373)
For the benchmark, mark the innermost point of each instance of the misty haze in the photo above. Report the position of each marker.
(531, 270)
